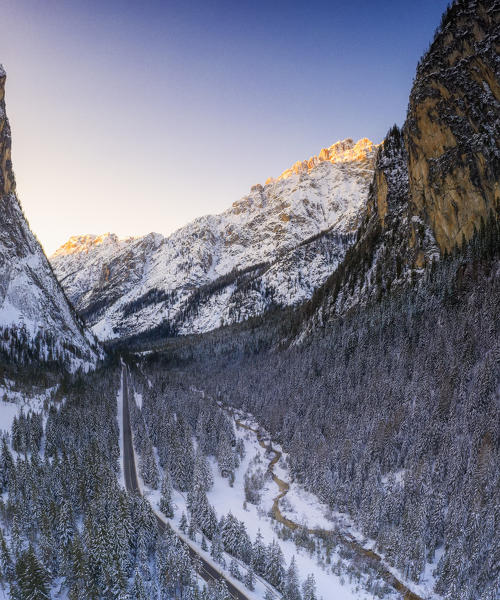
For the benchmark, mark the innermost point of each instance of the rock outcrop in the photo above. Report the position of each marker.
(438, 179)
(36, 320)
(452, 131)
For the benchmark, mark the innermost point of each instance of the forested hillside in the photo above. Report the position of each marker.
(390, 413)
(68, 529)
(384, 388)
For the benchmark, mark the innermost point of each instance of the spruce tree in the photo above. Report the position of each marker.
(292, 590)
(309, 588)
(234, 569)
(166, 505)
(7, 568)
(217, 548)
(259, 555)
(274, 570)
(183, 523)
(31, 577)
(249, 579)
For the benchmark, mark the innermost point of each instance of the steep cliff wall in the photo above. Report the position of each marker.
(438, 178)
(36, 320)
(7, 181)
(452, 131)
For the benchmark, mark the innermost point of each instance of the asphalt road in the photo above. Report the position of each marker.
(206, 570)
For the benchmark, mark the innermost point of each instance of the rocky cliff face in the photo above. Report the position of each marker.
(273, 247)
(438, 178)
(35, 316)
(344, 151)
(453, 127)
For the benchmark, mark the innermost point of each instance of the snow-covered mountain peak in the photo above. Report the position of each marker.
(226, 267)
(343, 151)
(84, 243)
(78, 244)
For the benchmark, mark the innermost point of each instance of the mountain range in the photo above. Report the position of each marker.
(272, 248)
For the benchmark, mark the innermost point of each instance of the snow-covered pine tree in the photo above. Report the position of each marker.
(183, 523)
(274, 570)
(309, 588)
(166, 505)
(259, 555)
(149, 469)
(138, 591)
(31, 577)
(292, 589)
(249, 578)
(202, 473)
(234, 569)
(225, 458)
(217, 548)
(230, 534)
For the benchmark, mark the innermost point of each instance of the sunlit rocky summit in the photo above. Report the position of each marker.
(344, 151)
(273, 247)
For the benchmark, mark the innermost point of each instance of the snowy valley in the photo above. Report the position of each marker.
(327, 554)
(295, 399)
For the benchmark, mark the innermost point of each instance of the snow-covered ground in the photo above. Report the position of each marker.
(257, 518)
(13, 401)
(298, 505)
(8, 411)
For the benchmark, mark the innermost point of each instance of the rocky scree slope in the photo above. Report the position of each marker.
(36, 320)
(436, 181)
(273, 247)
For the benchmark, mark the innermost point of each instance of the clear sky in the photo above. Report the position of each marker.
(139, 116)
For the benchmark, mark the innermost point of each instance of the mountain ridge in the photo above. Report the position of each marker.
(105, 277)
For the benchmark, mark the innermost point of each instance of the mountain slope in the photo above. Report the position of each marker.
(389, 410)
(272, 247)
(452, 130)
(36, 320)
(436, 184)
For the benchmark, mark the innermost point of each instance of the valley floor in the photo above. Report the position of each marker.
(336, 572)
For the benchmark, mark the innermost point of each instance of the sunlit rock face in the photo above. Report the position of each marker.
(436, 179)
(34, 313)
(344, 151)
(225, 268)
(453, 126)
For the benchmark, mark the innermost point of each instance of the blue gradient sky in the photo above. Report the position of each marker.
(140, 116)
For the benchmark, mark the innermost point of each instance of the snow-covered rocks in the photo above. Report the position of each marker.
(273, 247)
(35, 316)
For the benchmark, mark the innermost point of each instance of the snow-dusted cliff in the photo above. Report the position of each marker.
(36, 320)
(272, 247)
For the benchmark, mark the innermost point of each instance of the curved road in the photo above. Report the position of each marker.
(206, 571)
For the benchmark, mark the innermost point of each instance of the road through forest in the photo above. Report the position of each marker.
(206, 570)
